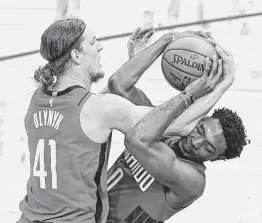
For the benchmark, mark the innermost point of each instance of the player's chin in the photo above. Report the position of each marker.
(99, 74)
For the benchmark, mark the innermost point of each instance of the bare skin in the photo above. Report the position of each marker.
(205, 142)
(204, 134)
(104, 112)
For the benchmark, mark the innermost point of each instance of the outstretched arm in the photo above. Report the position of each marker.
(125, 86)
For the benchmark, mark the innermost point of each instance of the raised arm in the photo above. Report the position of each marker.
(158, 159)
(123, 80)
(123, 84)
(187, 121)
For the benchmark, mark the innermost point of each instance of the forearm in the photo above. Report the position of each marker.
(202, 106)
(128, 75)
(185, 123)
(152, 126)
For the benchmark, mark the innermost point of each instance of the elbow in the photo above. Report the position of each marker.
(133, 139)
(114, 86)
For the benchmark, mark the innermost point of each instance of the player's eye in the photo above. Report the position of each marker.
(209, 148)
(200, 130)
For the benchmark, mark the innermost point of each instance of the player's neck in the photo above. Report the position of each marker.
(70, 79)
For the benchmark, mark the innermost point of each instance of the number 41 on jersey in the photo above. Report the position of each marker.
(40, 158)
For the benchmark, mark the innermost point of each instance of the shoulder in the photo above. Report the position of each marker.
(192, 179)
(188, 190)
(97, 116)
(105, 108)
(108, 102)
(107, 98)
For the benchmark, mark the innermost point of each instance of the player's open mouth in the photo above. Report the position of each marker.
(184, 146)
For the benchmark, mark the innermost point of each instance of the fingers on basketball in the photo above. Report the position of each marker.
(207, 69)
(222, 54)
(209, 35)
(218, 75)
(202, 34)
(218, 47)
(219, 70)
(214, 68)
(227, 53)
(211, 40)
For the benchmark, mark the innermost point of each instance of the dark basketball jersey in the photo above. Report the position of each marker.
(68, 171)
(134, 195)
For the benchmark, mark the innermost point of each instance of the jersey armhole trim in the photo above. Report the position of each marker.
(79, 104)
(80, 107)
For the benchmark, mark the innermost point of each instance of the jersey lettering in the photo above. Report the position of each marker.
(114, 178)
(49, 118)
(141, 176)
(40, 158)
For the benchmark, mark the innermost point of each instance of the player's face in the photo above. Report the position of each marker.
(90, 54)
(205, 142)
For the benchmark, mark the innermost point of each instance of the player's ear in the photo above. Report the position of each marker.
(75, 56)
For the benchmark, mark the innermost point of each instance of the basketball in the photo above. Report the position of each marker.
(184, 59)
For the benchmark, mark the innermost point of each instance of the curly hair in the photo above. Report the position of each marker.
(234, 133)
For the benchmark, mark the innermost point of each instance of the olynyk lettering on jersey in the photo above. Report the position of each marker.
(49, 118)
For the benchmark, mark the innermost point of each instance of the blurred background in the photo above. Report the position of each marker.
(233, 192)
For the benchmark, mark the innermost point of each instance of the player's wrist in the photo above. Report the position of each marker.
(190, 95)
(186, 98)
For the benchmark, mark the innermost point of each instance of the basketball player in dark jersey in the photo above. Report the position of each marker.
(69, 128)
(156, 177)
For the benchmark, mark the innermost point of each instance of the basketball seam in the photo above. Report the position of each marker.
(179, 69)
(187, 50)
(199, 37)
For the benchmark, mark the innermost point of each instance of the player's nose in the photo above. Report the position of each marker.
(99, 47)
(198, 142)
